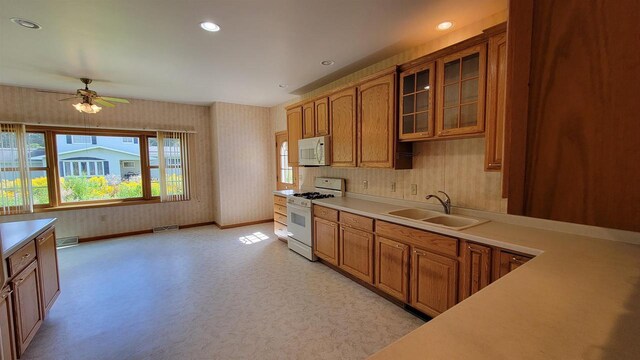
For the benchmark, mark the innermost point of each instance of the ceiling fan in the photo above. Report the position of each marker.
(90, 99)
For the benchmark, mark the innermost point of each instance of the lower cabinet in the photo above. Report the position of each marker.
(48, 269)
(392, 268)
(325, 234)
(356, 253)
(476, 268)
(27, 305)
(7, 345)
(505, 262)
(434, 282)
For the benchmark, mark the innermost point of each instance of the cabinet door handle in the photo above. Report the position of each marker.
(19, 281)
(419, 252)
(516, 260)
(5, 295)
(399, 246)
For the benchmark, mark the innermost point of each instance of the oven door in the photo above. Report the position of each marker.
(299, 223)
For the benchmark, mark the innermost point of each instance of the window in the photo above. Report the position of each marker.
(128, 164)
(81, 139)
(172, 155)
(286, 171)
(130, 140)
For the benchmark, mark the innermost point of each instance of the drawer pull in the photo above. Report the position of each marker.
(419, 252)
(399, 246)
(4, 296)
(26, 255)
(19, 281)
(516, 260)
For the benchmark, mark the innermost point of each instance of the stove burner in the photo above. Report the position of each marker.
(313, 195)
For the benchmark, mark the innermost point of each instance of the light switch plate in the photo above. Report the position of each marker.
(414, 189)
(393, 186)
(365, 184)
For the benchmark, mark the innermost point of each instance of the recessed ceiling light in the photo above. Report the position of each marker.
(446, 25)
(327, 62)
(209, 26)
(26, 23)
(282, 86)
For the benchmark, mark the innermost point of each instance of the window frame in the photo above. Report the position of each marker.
(53, 171)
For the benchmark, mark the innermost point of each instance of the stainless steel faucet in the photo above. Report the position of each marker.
(445, 203)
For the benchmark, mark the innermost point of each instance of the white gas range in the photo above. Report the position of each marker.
(300, 214)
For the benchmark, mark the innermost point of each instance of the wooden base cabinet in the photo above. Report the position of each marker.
(27, 305)
(356, 253)
(476, 268)
(48, 269)
(434, 282)
(7, 345)
(325, 234)
(505, 262)
(392, 268)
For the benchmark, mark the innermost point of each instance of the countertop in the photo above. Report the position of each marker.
(579, 298)
(15, 234)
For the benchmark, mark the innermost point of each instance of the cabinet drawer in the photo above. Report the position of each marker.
(280, 200)
(280, 209)
(356, 221)
(437, 243)
(22, 258)
(325, 213)
(280, 230)
(282, 219)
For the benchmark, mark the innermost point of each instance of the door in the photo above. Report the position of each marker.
(476, 268)
(299, 223)
(376, 131)
(325, 244)
(308, 120)
(356, 253)
(496, 100)
(434, 282)
(322, 117)
(392, 268)
(48, 260)
(461, 92)
(7, 345)
(294, 133)
(506, 262)
(27, 305)
(416, 105)
(286, 175)
(342, 110)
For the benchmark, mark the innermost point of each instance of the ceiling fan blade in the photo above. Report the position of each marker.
(101, 101)
(67, 99)
(113, 99)
(54, 92)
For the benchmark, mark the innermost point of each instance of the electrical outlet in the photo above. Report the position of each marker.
(393, 186)
(414, 189)
(365, 184)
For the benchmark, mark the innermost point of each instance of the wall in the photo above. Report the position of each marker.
(454, 166)
(27, 105)
(244, 163)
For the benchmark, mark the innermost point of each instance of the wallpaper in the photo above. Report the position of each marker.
(26, 105)
(243, 146)
(453, 166)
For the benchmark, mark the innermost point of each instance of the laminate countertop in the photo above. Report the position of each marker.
(579, 298)
(15, 234)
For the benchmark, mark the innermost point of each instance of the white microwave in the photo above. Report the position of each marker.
(314, 151)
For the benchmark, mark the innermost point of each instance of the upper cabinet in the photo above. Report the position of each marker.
(416, 102)
(496, 99)
(294, 133)
(315, 118)
(308, 120)
(461, 92)
(342, 109)
(377, 122)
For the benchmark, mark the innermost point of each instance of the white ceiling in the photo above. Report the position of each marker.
(155, 49)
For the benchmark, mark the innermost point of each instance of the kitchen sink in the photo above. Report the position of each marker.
(454, 222)
(414, 214)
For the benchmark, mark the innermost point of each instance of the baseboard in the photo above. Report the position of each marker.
(138, 232)
(243, 224)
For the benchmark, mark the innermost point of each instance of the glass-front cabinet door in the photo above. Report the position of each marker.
(416, 102)
(461, 92)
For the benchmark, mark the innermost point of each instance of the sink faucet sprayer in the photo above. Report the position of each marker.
(445, 203)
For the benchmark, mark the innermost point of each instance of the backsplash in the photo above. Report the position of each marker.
(453, 166)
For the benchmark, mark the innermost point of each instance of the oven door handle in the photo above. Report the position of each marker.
(299, 207)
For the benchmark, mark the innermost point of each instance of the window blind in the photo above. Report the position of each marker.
(15, 180)
(173, 158)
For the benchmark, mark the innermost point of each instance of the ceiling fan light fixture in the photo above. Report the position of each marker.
(85, 107)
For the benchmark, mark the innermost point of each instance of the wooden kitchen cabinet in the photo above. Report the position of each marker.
(461, 92)
(27, 305)
(356, 253)
(417, 103)
(434, 282)
(325, 245)
(308, 120)
(476, 268)
(392, 268)
(280, 217)
(322, 117)
(48, 268)
(342, 110)
(376, 130)
(294, 133)
(7, 331)
(496, 101)
(505, 262)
